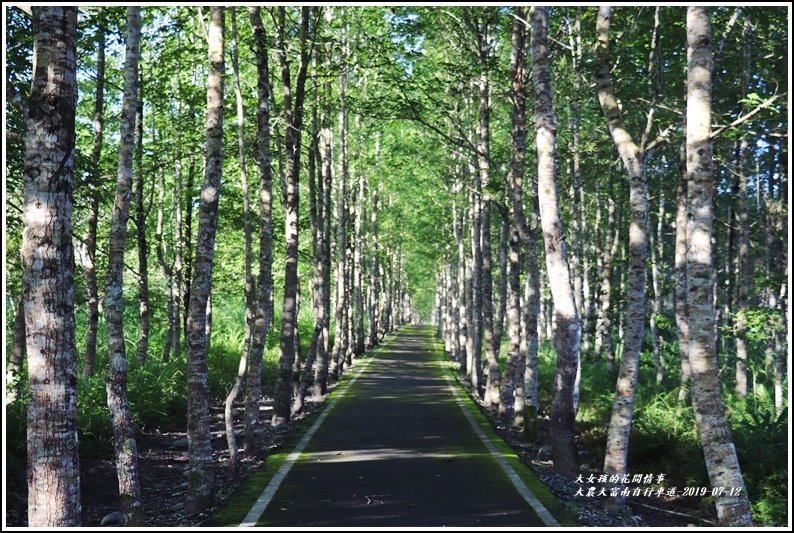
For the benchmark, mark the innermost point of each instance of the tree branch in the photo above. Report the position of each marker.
(748, 116)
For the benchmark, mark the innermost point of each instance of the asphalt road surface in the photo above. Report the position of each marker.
(398, 451)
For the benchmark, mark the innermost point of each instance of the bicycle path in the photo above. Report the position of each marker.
(398, 450)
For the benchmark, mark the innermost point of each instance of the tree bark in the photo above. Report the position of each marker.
(519, 232)
(617, 448)
(17, 358)
(681, 308)
(326, 179)
(201, 481)
(743, 280)
(603, 340)
(254, 433)
(712, 422)
(123, 431)
(657, 257)
(53, 470)
(567, 335)
(358, 267)
(484, 46)
(140, 227)
(250, 288)
(341, 340)
(293, 119)
(92, 305)
(188, 241)
(167, 272)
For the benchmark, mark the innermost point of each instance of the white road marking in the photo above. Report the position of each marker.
(518, 483)
(264, 499)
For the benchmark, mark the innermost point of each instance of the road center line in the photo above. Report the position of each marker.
(264, 499)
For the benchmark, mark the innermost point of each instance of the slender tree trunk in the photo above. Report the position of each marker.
(358, 268)
(519, 231)
(53, 469)
(250, 288)
(681, 307)
(254, 434)
(123, 432)
(513, 301)
(178, 271)
(166, 271)
(526, 396)
(188, 243)
(531, 308)
(17, 358)
(715, 434)
(603, 340)
(744, 279)
(325, 167)
(484, 140)
(373, 266)
(340, 333)
(475, 363)
(463, 282)
(293, 119)
(617, 449)
(140, 226)
(201, 482)
(501, 308)
(657, 256)
(317, 286)
(92, 305)
(567, 335)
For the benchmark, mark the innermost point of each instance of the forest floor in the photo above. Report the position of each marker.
(163, 462)
(650, 511)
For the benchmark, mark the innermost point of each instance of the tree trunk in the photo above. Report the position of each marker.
(484, 138)
(617, 448)
(373, 266)
(200, 493)
(325, 167)
(681, 307)
(140, 226)
(567, 335)
(603, 340)
(530, 318)
(743, 280)
(92, 305)
(123, 431)
(519, 231)
(513, 300)
(358, 268)
(526, 397)
(53, 470)
(17, 359)
(315, 219)
(712, 422)
(254, 434)
(167, 272)
(188, 241)
(178, 269)
(463, 280)
(501, 306)
(657, 256)
(250, 288)
(340, 333)
(293, 119)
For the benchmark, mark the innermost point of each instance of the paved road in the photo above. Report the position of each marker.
(398, 451)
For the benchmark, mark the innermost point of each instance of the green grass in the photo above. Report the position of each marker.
(664, 437)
